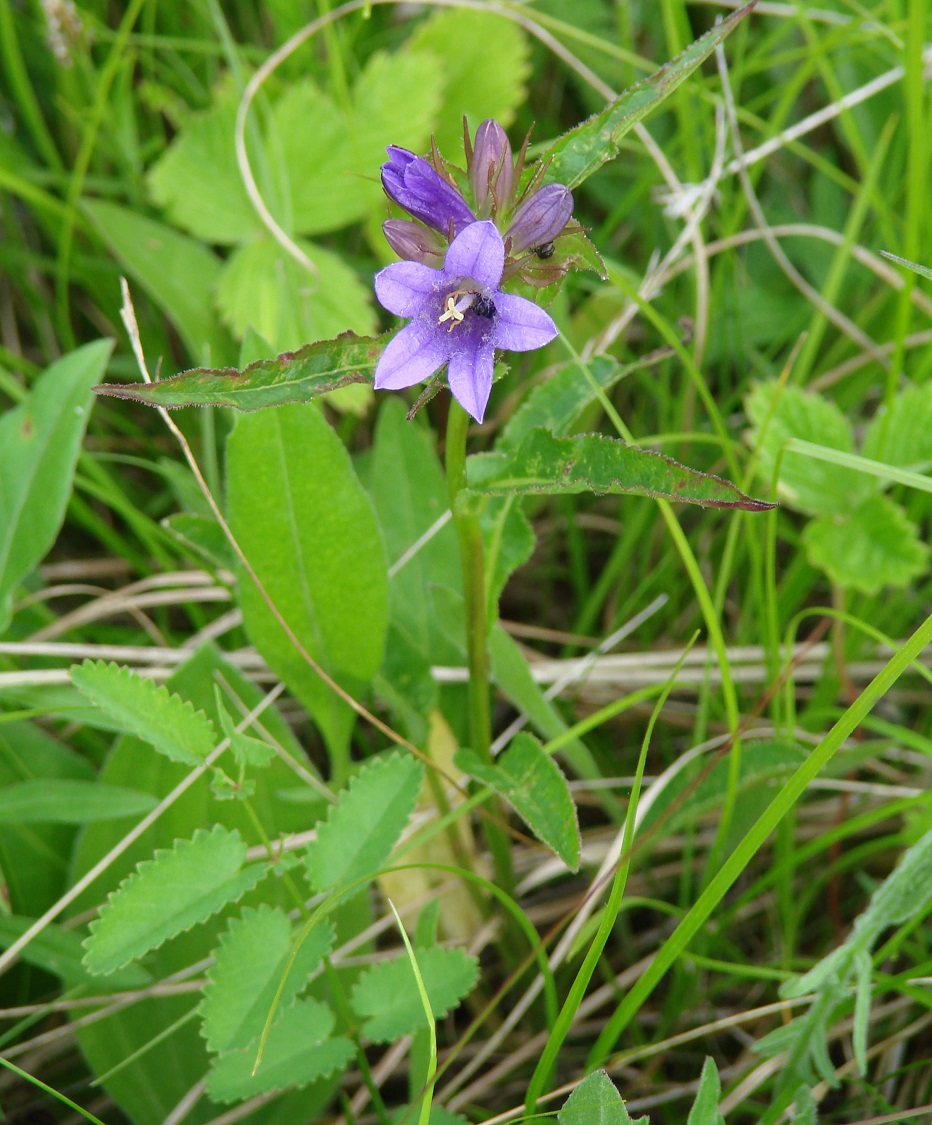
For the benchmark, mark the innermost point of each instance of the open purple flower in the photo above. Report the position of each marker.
(414, 185)
(459, 316)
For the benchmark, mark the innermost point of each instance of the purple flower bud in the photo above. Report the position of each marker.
(540, 219)
(492, 169)
(414, 242)
(414, 185)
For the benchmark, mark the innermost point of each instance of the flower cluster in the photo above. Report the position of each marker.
(458, 255)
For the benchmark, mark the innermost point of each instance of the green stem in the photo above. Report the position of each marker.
(472, 559)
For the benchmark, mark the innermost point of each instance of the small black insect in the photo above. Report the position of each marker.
(545, 251)
(484, 306)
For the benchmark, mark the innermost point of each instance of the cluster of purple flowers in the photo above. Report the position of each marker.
(456, 260)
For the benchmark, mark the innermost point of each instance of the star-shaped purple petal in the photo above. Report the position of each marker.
(459, 316)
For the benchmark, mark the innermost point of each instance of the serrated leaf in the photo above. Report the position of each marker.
(595, 1101)
(70, 802)
(249, 965)
(578, 153)
(60, 951)
(307, 528)
(179, 274)
(296, 1053)
(147, 710)
(365, 823)
(248, 751)
(817, 487)
(292, 377)
(704, 1109)
(485, 63)
(872, 546)
(544, 463)
(39, 444)
(387, 1000)
(902, 436)
(168, 895)
(264, 288)
(531, 782)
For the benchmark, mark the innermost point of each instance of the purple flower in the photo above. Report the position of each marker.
(540, 218)
(459, 316)
(415, 186)
(491, 169)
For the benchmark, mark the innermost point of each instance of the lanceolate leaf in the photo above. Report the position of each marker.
(365, 822)
(147, 710)
(595, 1101)
(39, 444)
(297, 376)
(596, 463)
(578, 153)
(69, 802)
(386, 996)
(705, 1108)
(531, 782)
(168, 895)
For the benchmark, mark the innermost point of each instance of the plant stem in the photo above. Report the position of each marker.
(472, 560)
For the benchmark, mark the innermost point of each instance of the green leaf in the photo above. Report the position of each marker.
(177, 272)
(704, 1109)
(386, 996)
(249, 752)
(148, 710)
(70, 802)
(332, 168)
(906, 892)
(168, 895)
(578, 153)
(923, 271)
(60, 951)
(262, 287)
(409, 492)
(509, 543)
(862, 1008)
(294, 377)
(203, 537)
(595, 1101)
(249, 967)
(531, 782)
(365, 823)
(296, 1053)
(197, 179)
(595, 463)
(307, 527)
(779, 413)
(485, 63)
(39, 444)
(902, 436)
(870, 547)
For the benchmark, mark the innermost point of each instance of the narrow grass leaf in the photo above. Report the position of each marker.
(297, 1052)
(148, 710)
(168, 895)
(62, 801)
(531, 782)
(365, 823)
(61, 952)
(544, 463)
(39, 444)
(581, 151)
(299, 376)
(704, 1109)
(595, 1101)
(249, 964)
(387, 1000)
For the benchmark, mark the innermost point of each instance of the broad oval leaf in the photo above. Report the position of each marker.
(596, 463)
(39, 444)
(169, 894)
(531, 782)
(386, 997)
(148, 710)
(249, 965)
(299, 376)
(366, 821)
(296, 1053)
(70, 802)
(578, 153)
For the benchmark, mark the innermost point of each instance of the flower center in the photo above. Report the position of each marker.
(460, 301)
